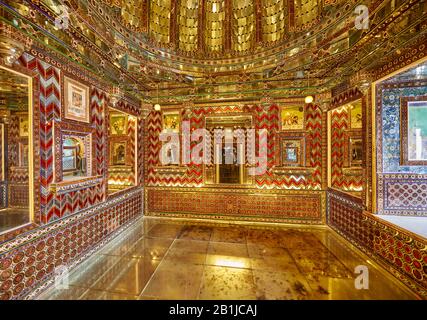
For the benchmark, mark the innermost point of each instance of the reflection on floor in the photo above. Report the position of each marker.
(13, 217)
(167, 259)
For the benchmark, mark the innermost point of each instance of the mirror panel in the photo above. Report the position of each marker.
(15, 153)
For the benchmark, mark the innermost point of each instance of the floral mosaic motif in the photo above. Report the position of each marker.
(390, 122)
(390, 192)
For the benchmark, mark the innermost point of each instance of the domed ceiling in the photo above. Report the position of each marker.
(204, 51)
(228, 49)
(215, 36)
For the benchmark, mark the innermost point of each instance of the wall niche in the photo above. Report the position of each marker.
(122, 150)
(345, 148)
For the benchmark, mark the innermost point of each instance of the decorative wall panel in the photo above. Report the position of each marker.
(18, 176)
(402, 194)
(123, 175)
(394, 179)
(237, 204)
(273, 182)
(401, 252)
(57, 205)
(389, 125)
(99, 99)
(263, 118)
(30, 259)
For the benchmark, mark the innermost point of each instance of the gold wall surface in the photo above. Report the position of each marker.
(306, 11)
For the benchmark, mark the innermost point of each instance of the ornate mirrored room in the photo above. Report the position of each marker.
(213, 150)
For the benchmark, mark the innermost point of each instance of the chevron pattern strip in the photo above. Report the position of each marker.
(339, 124)
(131, 133)
(99, 99)
(268, 119)
(50, 106)
(152, 146)
(140, 150)
(313, 120)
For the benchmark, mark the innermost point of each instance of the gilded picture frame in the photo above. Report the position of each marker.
(292, 118)
(292, 152)
(76, 100)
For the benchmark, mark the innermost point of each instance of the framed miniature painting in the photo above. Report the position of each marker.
(76, 100)
(118, 124)
(356, 115)
(23, 126)
(171, 121)
(356, 152)
(413, 129)
(292, 118)
(23, 154)
(292, 152)
(118, 153)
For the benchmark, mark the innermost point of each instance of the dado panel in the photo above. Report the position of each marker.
(400, 251)
(32, 258)
(235, 204)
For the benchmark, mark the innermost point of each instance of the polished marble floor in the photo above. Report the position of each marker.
(170, 259)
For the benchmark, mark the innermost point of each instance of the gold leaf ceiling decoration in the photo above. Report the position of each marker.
(273, 20)
(217, 26)
(160, 13)
(188, 24)
(203, 50)
(192, 43)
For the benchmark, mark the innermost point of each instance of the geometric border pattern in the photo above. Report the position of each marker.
(403, 195)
